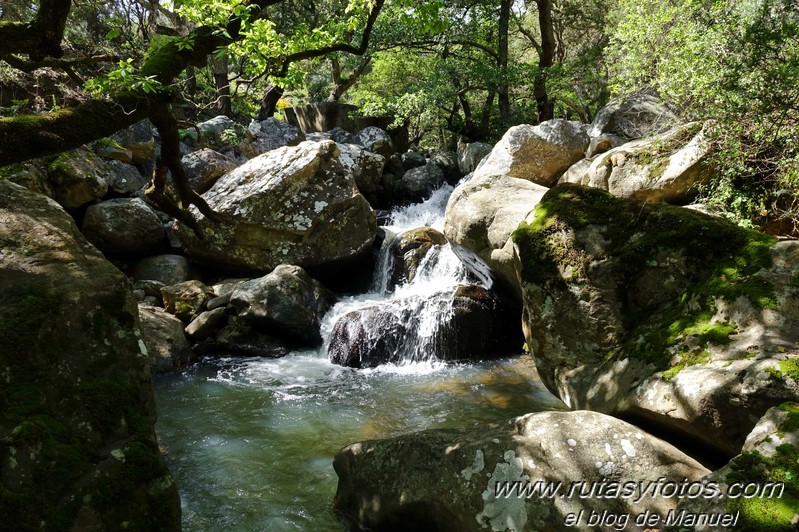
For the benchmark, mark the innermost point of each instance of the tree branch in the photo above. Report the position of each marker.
(41, 37)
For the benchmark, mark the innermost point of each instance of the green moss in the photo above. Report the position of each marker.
(790, 368)
(721, 261)
(792, 424)
(772, 513)
(111, 404)
(686, 359)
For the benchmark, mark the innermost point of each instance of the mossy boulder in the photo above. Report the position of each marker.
(165, 339)
(763, 480)
(31, 175)
(293, 205)
(78, 177)
(77, 447)
(453, 480)
(667, 167)
(186, 300)
(659, 313)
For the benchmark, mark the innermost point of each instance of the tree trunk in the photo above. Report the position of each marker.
(269, 102)
(546, 58)
(503, 91)
(219, 67)
(340, 84)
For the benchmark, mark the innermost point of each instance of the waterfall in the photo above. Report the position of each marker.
(411, 322)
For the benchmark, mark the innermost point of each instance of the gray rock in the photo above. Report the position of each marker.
(124, 179)
(78, 177)
(77, 408)
(417, 184)
(537, 153)
(203, 167)
(340, 136)
(470, 155)
(123, 226)
(449, 479)
(448, 162)
(166, 342)
(287, 303)
(375, 140)
(686, 321)
(213, 128)
(366, 168)
(481, 215)
(635, 116)
(240, 338)
(151, 289)
(167, 269)
(206, 324)
(412, 159)
(268, 135)
(603, 143)
(220, 301)
(294, 205)
(139, 140)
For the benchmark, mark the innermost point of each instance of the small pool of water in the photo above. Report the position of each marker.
(251, 442)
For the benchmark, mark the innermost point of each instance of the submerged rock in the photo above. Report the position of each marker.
(295, 205)
(467, 479)
(77, 446)
(408, 250)
(659, 313)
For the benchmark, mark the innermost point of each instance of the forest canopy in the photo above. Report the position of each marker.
(73, 72)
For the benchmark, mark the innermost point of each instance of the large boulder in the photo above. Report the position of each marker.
(760, 486)
(166, 342)
(203, 167)
(295, 205)
(481, 215)
(498, 477)
(683, 320)
(637, 115)
(537, 153)
(667, 167)
(186, 300)
(124, 226)
(78, 177)
(287, 303)
(268, 135)
(467, 322)
(77, 446)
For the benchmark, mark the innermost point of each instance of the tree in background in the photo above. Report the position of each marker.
(735, 62)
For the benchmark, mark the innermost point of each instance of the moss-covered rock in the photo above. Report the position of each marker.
(77, 447)
(78, 177)
(666, 167)
(659, 312)
(760, 486)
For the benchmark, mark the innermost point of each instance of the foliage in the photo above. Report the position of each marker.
(733, 61)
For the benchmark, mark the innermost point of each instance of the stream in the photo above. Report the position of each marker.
(251, 442)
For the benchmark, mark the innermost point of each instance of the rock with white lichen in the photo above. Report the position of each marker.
(293, 205)
(475, 479)
(77, 446)
(659, 313)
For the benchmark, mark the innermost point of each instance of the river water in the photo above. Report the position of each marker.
(251, 442)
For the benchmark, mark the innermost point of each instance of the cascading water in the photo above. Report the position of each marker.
(250, 442)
